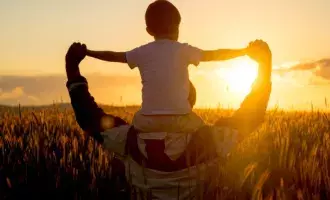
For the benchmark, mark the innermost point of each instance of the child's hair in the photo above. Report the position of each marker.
(162, 18)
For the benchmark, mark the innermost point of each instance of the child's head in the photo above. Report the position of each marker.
(163, 20)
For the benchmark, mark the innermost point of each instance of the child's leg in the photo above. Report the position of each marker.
(192, 95)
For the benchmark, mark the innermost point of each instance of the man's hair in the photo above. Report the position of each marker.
(162, 17)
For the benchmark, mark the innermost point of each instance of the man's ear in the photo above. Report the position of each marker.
(149, 31)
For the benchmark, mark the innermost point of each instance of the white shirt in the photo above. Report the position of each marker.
(163, 66)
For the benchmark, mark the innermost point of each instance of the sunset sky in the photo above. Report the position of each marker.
(35, 35)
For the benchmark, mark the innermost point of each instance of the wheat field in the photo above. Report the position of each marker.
(44, 154)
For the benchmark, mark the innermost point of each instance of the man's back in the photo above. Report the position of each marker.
(163, 65)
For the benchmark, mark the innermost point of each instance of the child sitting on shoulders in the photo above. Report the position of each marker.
(163, 65)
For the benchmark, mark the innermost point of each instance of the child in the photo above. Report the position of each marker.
(163, 65)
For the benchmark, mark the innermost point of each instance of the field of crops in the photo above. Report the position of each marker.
(44, 154)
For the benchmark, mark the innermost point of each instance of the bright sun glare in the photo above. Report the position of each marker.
(239, 75)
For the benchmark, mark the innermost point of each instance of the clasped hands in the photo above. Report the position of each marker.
(259, 51)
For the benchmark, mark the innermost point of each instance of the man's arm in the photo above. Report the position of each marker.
(89, 116)
(109, 56)
(252, 110)
(222, 54)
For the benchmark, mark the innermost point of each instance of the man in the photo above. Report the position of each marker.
(158, 168)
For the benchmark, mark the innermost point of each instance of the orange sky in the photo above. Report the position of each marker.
(36, 34)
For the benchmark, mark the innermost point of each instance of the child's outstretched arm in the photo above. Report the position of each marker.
(109, 56)
(222, 54)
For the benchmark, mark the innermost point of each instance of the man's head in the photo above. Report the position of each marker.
(163, 20)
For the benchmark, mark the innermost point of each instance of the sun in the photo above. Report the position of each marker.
(239, 75)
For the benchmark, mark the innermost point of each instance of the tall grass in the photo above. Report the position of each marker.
(43, 151)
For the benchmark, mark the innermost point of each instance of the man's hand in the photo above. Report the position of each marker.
(259, 51)
(76, 53)
(74, 56)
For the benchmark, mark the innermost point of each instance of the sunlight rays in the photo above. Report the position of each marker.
(239, 75)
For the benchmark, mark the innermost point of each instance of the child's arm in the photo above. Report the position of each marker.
(222, 54)
(109, 56)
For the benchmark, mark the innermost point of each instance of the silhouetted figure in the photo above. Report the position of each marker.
(167, 93)
(150, 171)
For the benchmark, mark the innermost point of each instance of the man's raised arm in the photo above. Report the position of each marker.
(89, 116)
(252, 110)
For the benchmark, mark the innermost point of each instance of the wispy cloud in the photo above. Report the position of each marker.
(315, 72)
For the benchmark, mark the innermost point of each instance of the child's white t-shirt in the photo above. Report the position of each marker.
(163, 65)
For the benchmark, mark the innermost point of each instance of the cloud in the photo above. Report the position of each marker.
(316, 72)
(36, 90)
(320, 68)
(17, 95)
